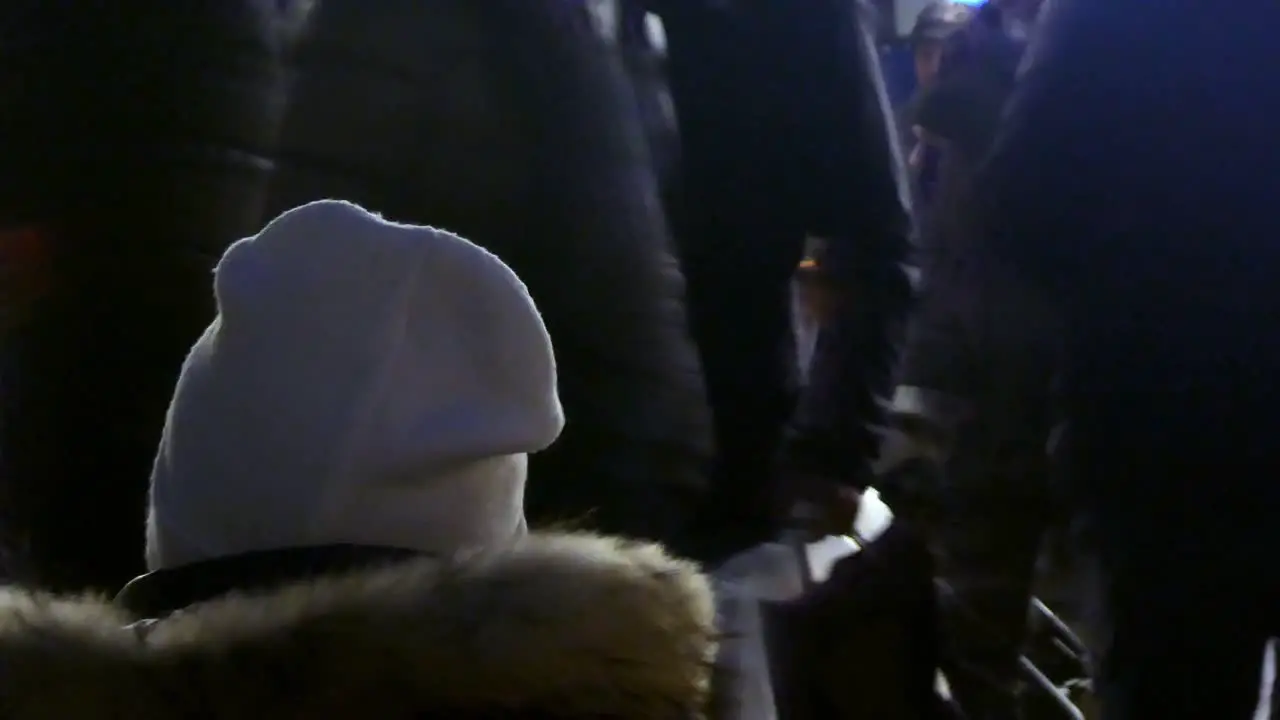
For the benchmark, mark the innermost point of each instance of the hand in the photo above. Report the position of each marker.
(825, 507)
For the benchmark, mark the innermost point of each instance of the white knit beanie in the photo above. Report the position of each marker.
(364, 382)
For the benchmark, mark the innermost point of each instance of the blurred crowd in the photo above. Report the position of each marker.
(477, 337)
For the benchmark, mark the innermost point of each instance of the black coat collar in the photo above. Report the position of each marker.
(166, 591)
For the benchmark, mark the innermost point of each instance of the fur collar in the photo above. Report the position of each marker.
(560, 626)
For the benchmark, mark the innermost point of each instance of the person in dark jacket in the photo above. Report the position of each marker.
(786, 133)
(1134, 180)
(531, 146)
(135, 137)
(927, 39)
(977, 369)
(936, 23)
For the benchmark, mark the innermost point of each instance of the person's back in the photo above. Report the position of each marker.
(1153, 191)
(1140, 156)
(136, 138)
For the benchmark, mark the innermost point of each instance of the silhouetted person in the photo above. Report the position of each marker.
(786, 133)
(1135, 180)
(132, 140)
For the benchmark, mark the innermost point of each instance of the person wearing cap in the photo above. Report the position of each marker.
(365, 383)
(933, 25)
(336, 530)
(336, 524)
(928, 38)
(977, 372)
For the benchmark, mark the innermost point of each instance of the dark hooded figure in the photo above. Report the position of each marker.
(785, 133)
(514, 123)
(1135, 180)
(134, 139)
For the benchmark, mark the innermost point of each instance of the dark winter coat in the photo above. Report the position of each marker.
(136, 143)
(566, 627)
(1136, 180)
(982, 336)
(513, 124)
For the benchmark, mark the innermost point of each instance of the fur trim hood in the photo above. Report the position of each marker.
(559, 626)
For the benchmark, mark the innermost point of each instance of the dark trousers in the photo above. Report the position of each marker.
(989, 546)
(745, 504)
(1184, 638)
(985, 337)
(1179, 507)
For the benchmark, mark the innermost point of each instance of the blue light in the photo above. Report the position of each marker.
(973, 3)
